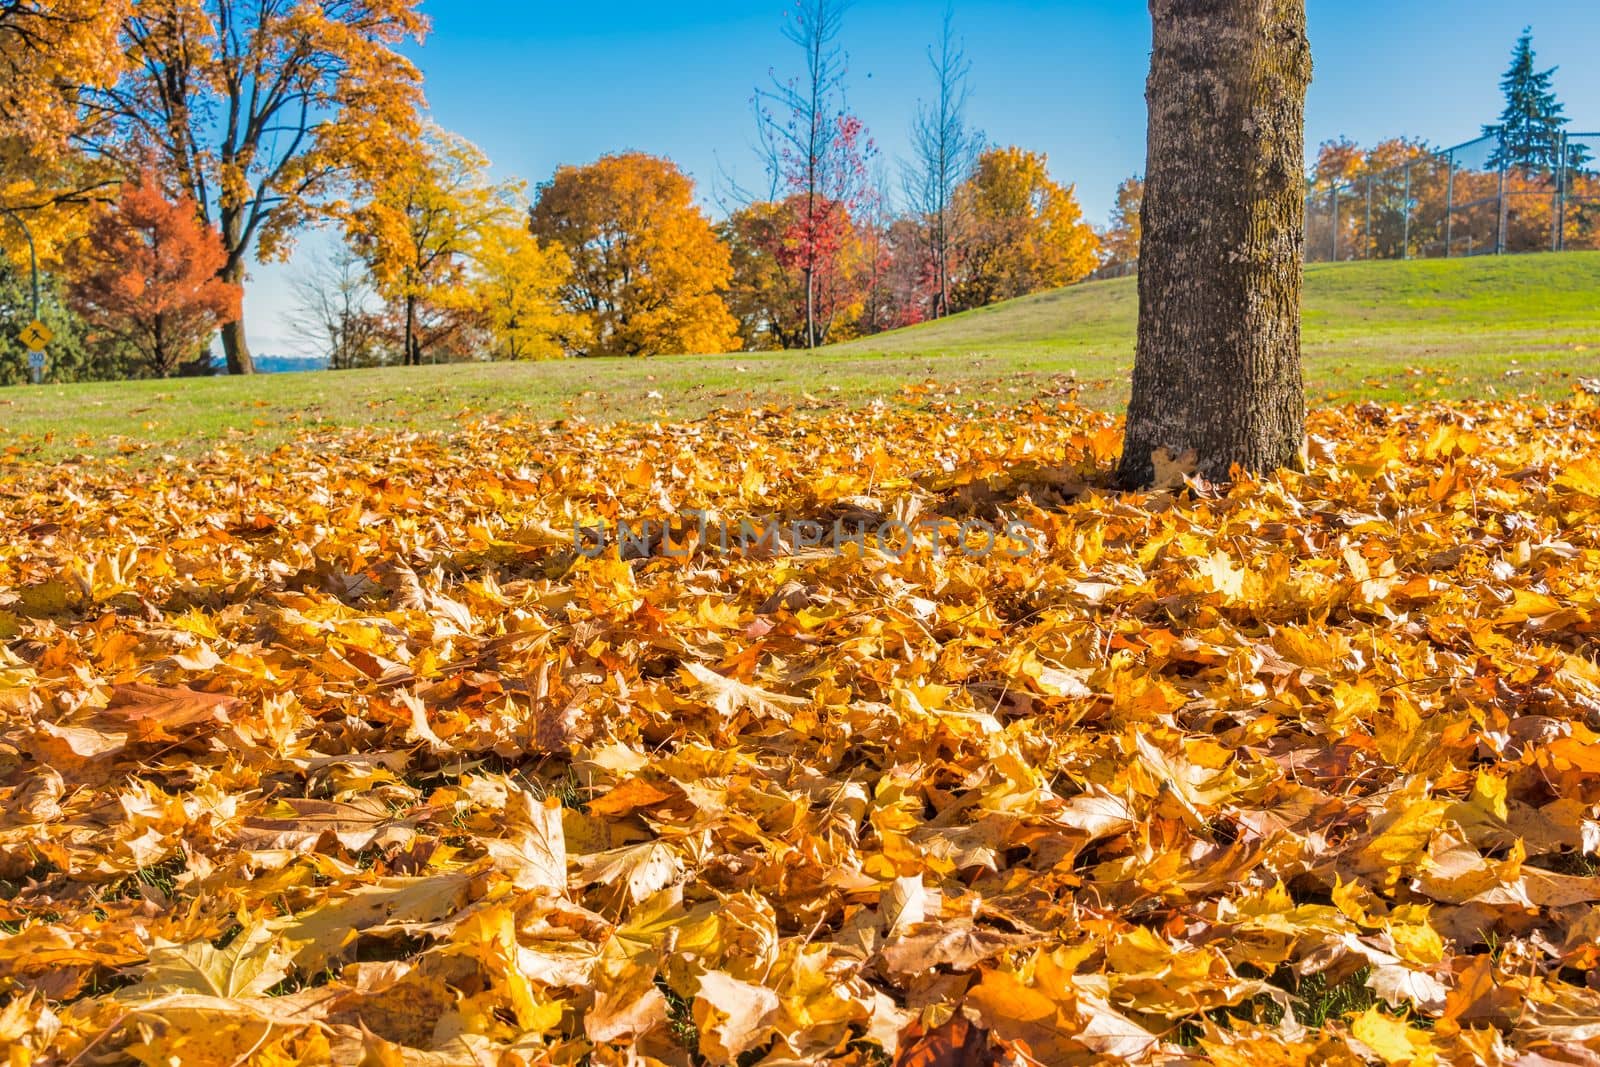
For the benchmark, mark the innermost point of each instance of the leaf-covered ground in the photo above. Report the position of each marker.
(344, 755)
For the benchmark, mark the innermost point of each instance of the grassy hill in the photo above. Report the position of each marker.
(1457, 328)
(1452, 312)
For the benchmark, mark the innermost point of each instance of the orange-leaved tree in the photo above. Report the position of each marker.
(1383, 202)
(1024, 232)
(260, 112)
(647, 269)
(147, 276)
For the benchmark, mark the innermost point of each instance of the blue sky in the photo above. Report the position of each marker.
(537, 84)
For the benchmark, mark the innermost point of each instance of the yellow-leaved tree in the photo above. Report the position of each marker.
(47, 49)
(419, 225)
(55, 197)
(260, 112)
(518, 285)
(1025, 233)
(648, 272)
(1119, 243)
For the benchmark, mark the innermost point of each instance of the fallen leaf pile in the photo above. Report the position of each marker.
(346, 755)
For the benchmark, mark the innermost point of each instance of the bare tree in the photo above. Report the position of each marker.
(945, 151)
(335, 310)
(813, 148)
(876, 222)
(1221, 267)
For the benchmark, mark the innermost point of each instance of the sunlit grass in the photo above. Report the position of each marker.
(1526, 325)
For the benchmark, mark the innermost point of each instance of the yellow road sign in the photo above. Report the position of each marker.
(36, 335)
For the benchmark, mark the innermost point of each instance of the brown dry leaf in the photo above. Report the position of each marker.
(957, 944)
(956, 1043)
(631, 795)
(159, 714)
(730, 696)
(298, 823)
(325, 932)
(535, 852)
(1173, 472)
(639, 871)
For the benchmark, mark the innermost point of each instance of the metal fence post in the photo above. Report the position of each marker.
(1450, 205)
(1500, 206)
(1405, 230)
(1366, 242)
(1333, 196)
(1558, 240)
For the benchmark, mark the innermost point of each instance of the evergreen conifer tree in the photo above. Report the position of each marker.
(1530, 127)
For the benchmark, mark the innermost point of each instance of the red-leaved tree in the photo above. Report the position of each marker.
(147, 275)
(817, 153)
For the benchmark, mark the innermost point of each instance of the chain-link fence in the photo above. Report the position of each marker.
(1484, 197)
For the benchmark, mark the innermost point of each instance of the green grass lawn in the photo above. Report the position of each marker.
(1525, 325)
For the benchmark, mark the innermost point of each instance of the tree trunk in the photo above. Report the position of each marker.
(410, 359)
(160, 359)
(235, 346)
(1220, 271)
(944, 268)
(234, 343)
(811, 307)
(237, 349)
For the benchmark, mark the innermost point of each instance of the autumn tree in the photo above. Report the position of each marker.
(48, 47)
(945, 150)
(875, 256)
(907, 282)
(814, 149)
(261, 112)
(1390, 199)
(782, 295)
(1025, 233)
(418, 226)
(149, 277)
(1217, 370)
(517, 285)
(647, 269)
(450, 253)
(1119, 244)
(767, 301)
(1339, 160)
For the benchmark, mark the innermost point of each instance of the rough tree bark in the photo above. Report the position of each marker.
(235, 347)
(1220, 271)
